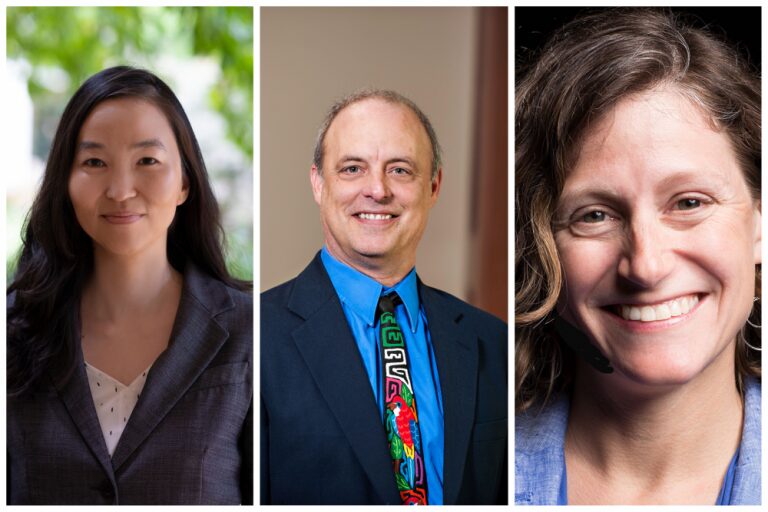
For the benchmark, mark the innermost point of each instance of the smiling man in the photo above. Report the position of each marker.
(375, 388)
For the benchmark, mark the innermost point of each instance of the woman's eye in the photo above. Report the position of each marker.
(594, 217)
(94, 162)
(688, 203)
(148, 160)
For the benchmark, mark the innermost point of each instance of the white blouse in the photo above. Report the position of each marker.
(114, 402)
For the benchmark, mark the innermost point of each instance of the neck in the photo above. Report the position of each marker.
(642, 438)
(382, 270)
(129, 284)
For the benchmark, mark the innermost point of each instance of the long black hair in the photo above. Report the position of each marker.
(57, 255)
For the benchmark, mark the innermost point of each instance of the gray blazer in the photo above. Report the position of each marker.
(189, 439)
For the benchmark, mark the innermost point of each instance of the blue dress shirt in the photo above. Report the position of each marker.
(540, 459)
(359, 296)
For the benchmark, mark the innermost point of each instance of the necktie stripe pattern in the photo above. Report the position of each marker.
(400, 413)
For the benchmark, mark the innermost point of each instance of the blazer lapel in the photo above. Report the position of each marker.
(77, 398)
(195, 340)
(457, 362)
(329, 351)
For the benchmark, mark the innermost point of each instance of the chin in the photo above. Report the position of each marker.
(122, 248)
(658, 371)
(372, 250)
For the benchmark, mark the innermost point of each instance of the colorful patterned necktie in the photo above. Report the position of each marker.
(400, 417)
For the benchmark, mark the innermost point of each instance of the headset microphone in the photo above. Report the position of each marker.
(579, 343)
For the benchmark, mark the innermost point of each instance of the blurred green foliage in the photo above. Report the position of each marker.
(84, 40)
(66, 45)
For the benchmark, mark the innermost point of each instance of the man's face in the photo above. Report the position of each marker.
(375, 191)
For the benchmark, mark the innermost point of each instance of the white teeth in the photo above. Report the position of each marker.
(647, 314)
(669, 309)
(374, 216)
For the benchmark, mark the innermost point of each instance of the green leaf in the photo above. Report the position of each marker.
(402, 485)
(407, 396)
(396, 447)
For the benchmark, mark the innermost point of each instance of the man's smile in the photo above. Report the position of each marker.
(374, 216)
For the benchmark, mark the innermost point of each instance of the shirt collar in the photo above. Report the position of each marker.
(361, 293)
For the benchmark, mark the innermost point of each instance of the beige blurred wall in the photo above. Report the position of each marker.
(310, 57)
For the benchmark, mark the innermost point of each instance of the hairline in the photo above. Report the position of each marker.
(385, 95)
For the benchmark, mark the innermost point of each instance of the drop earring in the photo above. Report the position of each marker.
(750, 323)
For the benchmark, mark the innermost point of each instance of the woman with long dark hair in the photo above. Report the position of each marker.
(129, 343)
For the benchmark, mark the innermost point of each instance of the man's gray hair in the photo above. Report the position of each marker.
(390, 97)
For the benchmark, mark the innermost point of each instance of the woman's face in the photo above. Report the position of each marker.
(126, 179)
(658, 237)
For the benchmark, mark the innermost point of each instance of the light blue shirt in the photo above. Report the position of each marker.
(359, 296)
(540, 459)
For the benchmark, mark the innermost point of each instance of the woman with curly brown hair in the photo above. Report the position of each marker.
(638, 266)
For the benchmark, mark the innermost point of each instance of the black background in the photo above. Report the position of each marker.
(739, 25)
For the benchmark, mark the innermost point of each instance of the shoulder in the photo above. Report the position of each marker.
(539, 456)
(443, 303)
(750, 438)
(541, 428)
(747, 475)
(300, 297)
(207, 299)
(279, 295)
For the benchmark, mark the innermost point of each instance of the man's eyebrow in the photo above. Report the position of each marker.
(351, 158)
(404, 159)
(354, 158)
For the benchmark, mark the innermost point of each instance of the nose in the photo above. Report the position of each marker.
(376, 186)
(647, 258)
(120, 185)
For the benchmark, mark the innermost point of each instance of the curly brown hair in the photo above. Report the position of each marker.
(587, 67)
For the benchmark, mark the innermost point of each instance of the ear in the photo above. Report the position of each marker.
(317, 183)
(184, 192)
(758, 237)
(435, 184)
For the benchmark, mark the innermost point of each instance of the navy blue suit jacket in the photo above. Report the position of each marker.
(322, 439)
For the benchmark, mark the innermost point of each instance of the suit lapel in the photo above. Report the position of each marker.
(329, 351)
(195, 340)
(77, 398)
(455, 348)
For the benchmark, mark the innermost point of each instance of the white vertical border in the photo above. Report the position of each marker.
(256, 250)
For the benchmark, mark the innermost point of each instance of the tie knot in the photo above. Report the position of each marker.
(388, 302)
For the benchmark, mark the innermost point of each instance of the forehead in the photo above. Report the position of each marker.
(127, 117)
(376, 123)
(649, 137)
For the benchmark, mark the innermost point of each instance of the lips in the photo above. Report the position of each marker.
(678, 306)
(122, 217)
